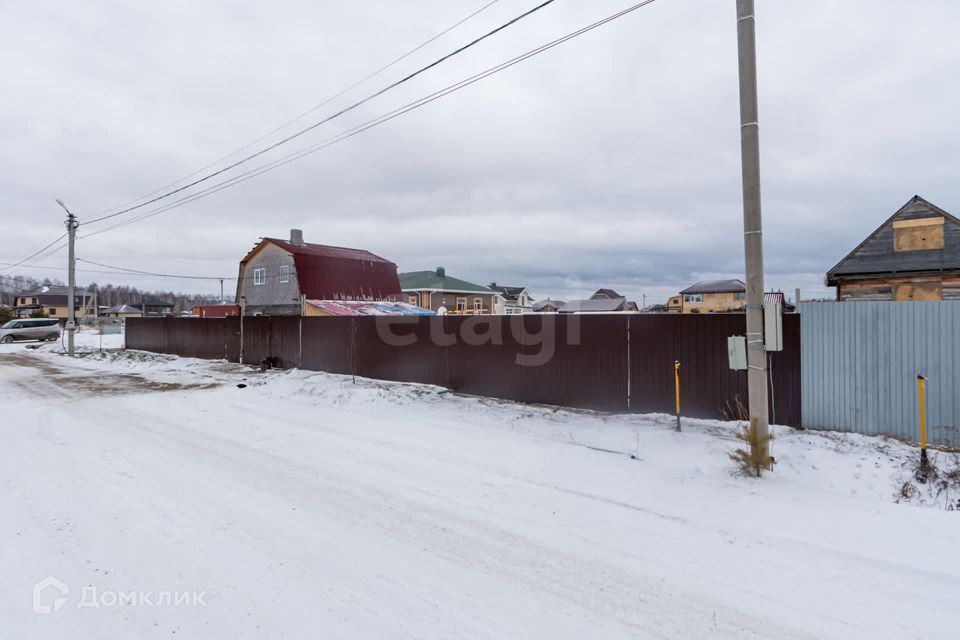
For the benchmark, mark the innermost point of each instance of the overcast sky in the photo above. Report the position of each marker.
(610, 161)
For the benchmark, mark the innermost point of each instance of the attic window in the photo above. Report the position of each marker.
(920, 234)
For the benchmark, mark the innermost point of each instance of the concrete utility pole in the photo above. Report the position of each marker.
(752, 224)
(71, 276)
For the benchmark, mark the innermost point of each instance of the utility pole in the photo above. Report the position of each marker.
(71, 276)
(221, 290)
(752, 226)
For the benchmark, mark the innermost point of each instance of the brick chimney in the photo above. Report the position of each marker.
(441, 272)
(296, 236)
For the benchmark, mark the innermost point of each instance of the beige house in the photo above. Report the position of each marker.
(52, 301)
(711, 296)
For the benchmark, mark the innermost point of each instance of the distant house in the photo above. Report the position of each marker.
(437, 291)
(511, 300)
(122, 311)
(710, 296)
(914, 255)
(599, 305)
(216, 310)
(277, 275)
(605, 294)
(52, 300)
(547, 306)
(777, 297)
(155, 308)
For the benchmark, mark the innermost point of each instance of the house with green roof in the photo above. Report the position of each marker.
(437, 291)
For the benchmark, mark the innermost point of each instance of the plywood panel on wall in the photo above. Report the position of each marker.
(918, 235)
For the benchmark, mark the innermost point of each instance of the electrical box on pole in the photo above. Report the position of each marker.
(773, 326)
(737, 352)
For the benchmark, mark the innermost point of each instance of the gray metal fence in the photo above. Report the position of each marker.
(860, 362)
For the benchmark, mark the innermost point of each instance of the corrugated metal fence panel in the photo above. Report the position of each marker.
(861, 361)
(708, 387)
(574, 361)
(405, 349)
(146, 334)
(326, 345)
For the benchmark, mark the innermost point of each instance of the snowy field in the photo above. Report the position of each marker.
(170, 502)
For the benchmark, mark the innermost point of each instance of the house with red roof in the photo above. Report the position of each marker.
(278, 275)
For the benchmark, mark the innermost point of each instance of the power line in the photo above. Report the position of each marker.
(312, 109)
(332, 117)
(37, 253)
(252, 173)
(149, 273)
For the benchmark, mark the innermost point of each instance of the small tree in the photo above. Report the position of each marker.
(38, 313)
(750, 460)
(6, 315)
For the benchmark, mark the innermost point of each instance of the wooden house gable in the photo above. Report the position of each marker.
(920, 237)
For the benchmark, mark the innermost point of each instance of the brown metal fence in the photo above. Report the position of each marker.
(603, 362)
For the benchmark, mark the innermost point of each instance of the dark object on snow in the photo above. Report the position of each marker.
(268, 363)
(241, 386)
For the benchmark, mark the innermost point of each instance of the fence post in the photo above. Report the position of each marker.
(923, 423)
(243, 312)
(628, 363)
(676, 382)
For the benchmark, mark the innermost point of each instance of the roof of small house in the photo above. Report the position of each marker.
(876, 254)
(777, 297)
(326, 272)
(598, 305)
(507, 293)
(438, 280)
(556, 304)
(369, 308)
(122, 308)
(717, 286)
(609, 294)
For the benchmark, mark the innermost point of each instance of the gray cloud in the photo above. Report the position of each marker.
(610, 161)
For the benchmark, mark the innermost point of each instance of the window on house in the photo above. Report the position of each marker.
(284, 273)
(412, 299)
(740, 295)
(693, 297)
(34, 301)
(461, 304)
(52, 311)
(478, 304)
(259, 276)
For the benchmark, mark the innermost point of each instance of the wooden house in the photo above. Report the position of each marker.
(914, 255)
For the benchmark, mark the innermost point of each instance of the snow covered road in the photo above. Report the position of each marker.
(305, 506)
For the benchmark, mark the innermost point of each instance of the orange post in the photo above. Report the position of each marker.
(923, 422)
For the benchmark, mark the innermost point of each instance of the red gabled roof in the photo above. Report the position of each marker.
(325, 272)
(327, 251)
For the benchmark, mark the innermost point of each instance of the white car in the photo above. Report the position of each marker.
(30, 329)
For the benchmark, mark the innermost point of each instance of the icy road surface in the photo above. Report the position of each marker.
(166, 502)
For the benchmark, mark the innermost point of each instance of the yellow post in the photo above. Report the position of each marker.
(923, 421)
(676, 382)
